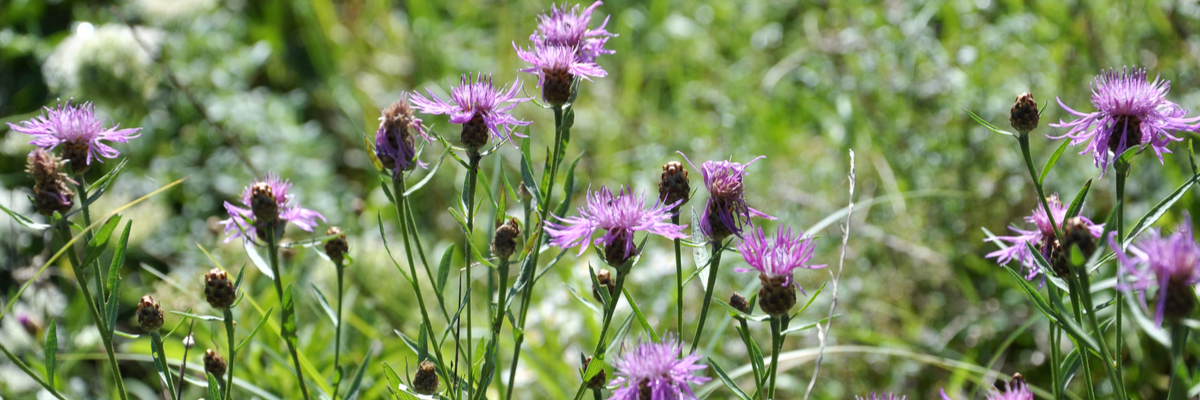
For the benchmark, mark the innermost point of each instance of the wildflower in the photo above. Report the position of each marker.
(775, 260)
(270, 206)
(1024, 114)
(32, 324)
(395, 140)
(337, 246)
(726, 212)
(218, 289)
(604, 279)
(77, 128)
(479, 106)
(884, 396)
(149, 314)
(426, 380)
(214, 363)
(1015, 389)
(1131, 112)
(557, 67)
(569, 28)
(673, 187)
(1170, 263)
(738, 302)
(50, 192)
(621, 216)
(504, 242)
(1017, 249)
(597, 381)
(654, 371)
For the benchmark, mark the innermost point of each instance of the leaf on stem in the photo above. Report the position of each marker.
(99, 242)
(254, 331)
(728, 381)
(51, 352)
(257, 259)
(23, 220)
(289, 315)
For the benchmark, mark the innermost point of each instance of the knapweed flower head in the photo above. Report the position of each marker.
(1130, 111)
(620, 216)
(395, 140)
(1169, 263)
(1013, 390)
(726, 212)
(881, 396)
(268, 204)
(1043, 230)
(568, 27)
(50, 191)
(557, 67)
(479, 105)
(777, 257)
(655, 371)
(79, 130)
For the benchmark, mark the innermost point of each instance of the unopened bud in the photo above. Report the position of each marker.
(336, 247)
(50, 192)
(149, 315)
(1024, 114)
(426, 380)
(77, 154)
(616, 253)
(605, 280)
(264, 204)
(214, 363)
(1180, 301)
(218, 289)
(674, 187)
(597, 382)
(504, 242)
(1076, 232)
(738, 302)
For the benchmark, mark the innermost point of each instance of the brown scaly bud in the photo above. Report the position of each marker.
(615, 253)
(504, 242)
(336, 247)
(673, 187)
(1060, 260)
(605, 279)
(149, 315)
(775, 297)
(264, 204)
(426, 381)
(597, 382)
(214, 363)
(218, 289)
(1180, 301)
(76, 153)
(50, 192)
(474, 133)
(394, 141)
(738, 302)
(1024, 114)
(1076, 233)
(556, 88)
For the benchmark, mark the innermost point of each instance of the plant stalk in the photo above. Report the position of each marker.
(776, 345)
(229, 333)
(1179, 373)
(64, 234)
(679, 282)
(156, 342)
(1083, 354)
(472, 178)
(273, 252)
(337, 341)
(714, 265)
(598, 354)
(1037, 183)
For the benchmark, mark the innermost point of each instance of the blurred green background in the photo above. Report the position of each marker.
(292, 87)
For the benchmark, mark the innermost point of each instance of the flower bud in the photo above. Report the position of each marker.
(214, 363)
(264, 204)
(1076, 233)
(556, 89)
(336, 247)
(426, 380)
(776, 297)
(605, 279)
(149, 315)
(738, 302)
(218, 289)
(1024, 114)
(597, 382)
(474, 133)
(673, 187)
(50, 192)
(395, 146)
(504, 242)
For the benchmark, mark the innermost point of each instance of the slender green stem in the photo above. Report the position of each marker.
(472, 178)
(1037, 183)
(29, 371)
(497, 323)
(81, 187)
(714, 264)
(273, 252)
(156, 342)
(1179, 374)
(1055, 360)
(232, 353)
(1122, 173)
(602, 342)
(776, 345)
(64, 232)
(679, 281)
(337, 341)
(1083, 353)
(749, 342)
(1084, 284)
(398, 188)
(416, 243)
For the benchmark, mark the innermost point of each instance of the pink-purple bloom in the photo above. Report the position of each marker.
(656, 368)
(477, 99)
(551, 60)
(1016, 245)
(242, 221)
(1131, 111)
(1014, 390)
(77, 127)
(779, 256)
(727, 198)
(568, 27)
(1168, 263)
(395, 142)
(882, 396)
(619, 215)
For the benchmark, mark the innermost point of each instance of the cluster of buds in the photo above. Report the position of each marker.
(336, 247)
(504, 242)
(50, 192)
(673, 187)
(426, 380)
(214, 363)
(149, 314)
(218, 289)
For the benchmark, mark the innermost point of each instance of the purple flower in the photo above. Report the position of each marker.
(557, 67)
(621, 216)
(569, 28)
(1043, 229)
(777, 257)
(884, 396)
(79, 130)
(263, 199)
(395, 144)
(727, 198)
(478, 105)
(1014, 390)
(656, 369)
(1132, 112)
(1171, 263)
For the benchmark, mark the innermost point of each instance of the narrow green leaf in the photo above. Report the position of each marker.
(388, 248)
(728, 381)
(99, 242)
(112, 307)
(51, 351)
(262, 322)
(586, 303)
(527, 177)
(807, 326)
(1159, 210)
(352, 393)
(428, 176)
(214, 388)
(605, 296)
(1032, 293)
(641, 317)
(387, 190)
(257, 260)
(201, 317)
(126, 335)
(568, 188)
(289, 314)
(118, 260)
(988, 125)
(1147, 325)
(1077, 204)
(1053, 160)
(393, 379)
(444, 268)
(1192, 157)
(371, 153)
(105, 181)
(325, 305)
(811, 298)
(474, 248)
(756, 355)
(237, 283)
(23, 220)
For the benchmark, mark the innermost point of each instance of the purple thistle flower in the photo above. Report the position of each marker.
(1171, 263)
(1132, 112)
(79, 130)
(884, 396)
(655, 369)
(245, 222)
(1013, 390)
(479, 106)
(569, 28)
(557, 67)
(621, 216)
(1017, 250)
(395, 143)
(776, 258)
(727, 198)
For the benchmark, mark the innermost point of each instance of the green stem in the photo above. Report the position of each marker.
(337, 341)
(156, 342)
(497, 323)
(273, 252)
(749, 342)
(29, 371)
(64, 232)
(602, 344)
(1055, 360)
(1084, 284)
(679, 281)
(1083, 353)
(398, 188)
(1122, 169)
(472, 178)
(1037, 184)
(776, 345)
(81, 187)
(1179, 374)
(713, 267)
(232, 353)
(416, 240)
